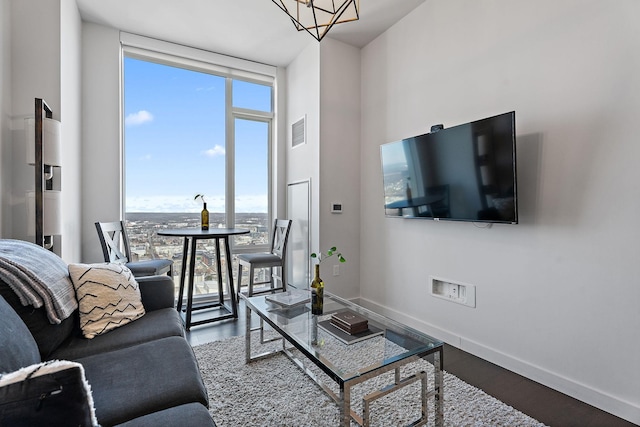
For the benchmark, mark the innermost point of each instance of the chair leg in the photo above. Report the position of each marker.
(239, 279)
(283, 278)
(251, 273)
(277, 275)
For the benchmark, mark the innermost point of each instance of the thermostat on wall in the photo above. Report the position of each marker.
(336, 207)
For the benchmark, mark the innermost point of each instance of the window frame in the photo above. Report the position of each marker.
(258, 116)
(230, 68)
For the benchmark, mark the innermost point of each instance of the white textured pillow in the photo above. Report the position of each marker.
(108, 297)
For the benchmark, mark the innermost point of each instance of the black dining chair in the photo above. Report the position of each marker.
(113, 238)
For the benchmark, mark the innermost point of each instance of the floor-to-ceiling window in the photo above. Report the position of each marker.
(195, 128)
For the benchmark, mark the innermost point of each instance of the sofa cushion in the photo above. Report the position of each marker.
(136, 381)
(53, 393)
(150, 267)
(17, 346)
(108, 297)
(153, 325)
(157, 292)
(47, 335)
(190, 414)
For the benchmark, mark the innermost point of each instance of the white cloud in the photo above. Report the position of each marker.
(248, 203)
(218, 150)
(215, 203)
(142, 116)
(172, 203)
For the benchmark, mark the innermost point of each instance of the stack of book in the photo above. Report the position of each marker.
(350, 322)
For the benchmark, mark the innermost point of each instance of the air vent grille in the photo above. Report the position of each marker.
(298, 132)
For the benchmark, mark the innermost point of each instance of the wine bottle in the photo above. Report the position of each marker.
(204, 217)
(317, 293)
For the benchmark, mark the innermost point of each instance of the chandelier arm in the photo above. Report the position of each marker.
(335, 15)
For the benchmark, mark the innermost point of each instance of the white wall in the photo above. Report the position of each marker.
(71, 118)
(323, 84)
(35, 73)
(557, 295)
(303, 99)
(40, 64)
(101, 169)
(340, 164)
(5, 118)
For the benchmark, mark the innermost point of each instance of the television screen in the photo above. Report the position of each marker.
(464, 173)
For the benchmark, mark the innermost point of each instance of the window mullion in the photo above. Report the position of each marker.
(230, 154)
(251, 114)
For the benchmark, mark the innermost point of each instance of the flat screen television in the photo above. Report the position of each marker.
(461, 173)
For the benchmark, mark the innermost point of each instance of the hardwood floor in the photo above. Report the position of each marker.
(542, 403)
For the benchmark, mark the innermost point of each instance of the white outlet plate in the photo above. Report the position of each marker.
(461, 293)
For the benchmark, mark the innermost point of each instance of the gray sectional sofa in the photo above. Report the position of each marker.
(141, 374)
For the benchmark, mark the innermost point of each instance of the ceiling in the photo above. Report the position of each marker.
(250, 29)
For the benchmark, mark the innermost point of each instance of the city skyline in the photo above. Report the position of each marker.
(145, 243)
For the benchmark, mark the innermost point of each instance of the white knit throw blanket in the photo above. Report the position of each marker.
(39, 277)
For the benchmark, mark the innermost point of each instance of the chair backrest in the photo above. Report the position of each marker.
(114, 241)
(280, 236)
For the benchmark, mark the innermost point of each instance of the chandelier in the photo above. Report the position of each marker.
(318, 16)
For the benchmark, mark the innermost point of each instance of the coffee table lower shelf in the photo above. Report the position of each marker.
(343, 399)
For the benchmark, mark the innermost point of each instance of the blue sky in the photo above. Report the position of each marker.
(175, 140)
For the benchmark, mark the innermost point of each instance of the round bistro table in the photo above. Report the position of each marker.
(191, 236)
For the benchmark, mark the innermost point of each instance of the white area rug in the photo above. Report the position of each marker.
(275, 392)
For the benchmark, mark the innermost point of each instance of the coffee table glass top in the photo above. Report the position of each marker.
(339, 360)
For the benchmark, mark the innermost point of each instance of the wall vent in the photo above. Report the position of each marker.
(299, 132)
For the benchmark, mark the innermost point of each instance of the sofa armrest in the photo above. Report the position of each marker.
(157, 292)
(54, 393)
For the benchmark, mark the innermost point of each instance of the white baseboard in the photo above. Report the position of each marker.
(620, 408)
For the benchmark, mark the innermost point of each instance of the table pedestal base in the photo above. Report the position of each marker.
(191, 237)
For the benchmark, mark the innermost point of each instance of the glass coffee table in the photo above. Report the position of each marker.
(390, 347)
